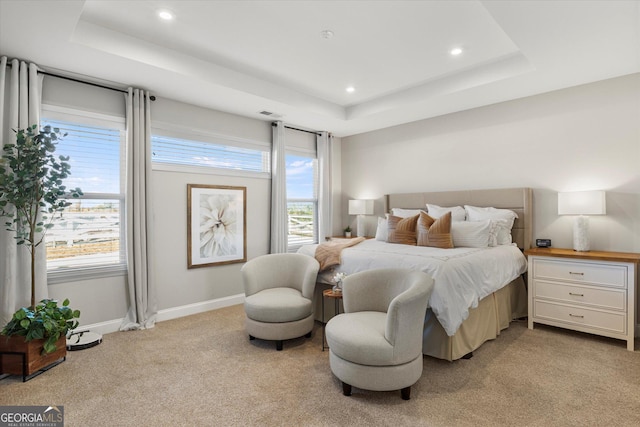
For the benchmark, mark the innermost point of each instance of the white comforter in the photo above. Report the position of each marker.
(463, 276)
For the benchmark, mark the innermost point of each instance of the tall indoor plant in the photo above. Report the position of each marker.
(32, 195)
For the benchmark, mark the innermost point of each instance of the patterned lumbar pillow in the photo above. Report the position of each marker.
(435, 232)
(402, 230)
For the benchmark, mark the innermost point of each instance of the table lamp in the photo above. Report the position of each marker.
(360, 208)
(582, 203)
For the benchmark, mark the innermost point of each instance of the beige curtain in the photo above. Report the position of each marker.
(325, 207)
(20, 97)
(143, 306)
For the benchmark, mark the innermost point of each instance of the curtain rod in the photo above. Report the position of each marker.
(60, 76)
(300, 130)
(46, 73)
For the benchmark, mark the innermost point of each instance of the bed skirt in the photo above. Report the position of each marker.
(493, 314)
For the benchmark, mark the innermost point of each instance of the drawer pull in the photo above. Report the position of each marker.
(576, 315)
(576, 295)
(576, 274)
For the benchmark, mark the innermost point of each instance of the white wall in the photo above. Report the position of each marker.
(581, 138)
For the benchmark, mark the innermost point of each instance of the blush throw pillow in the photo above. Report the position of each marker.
(435, 232)
(402, 230)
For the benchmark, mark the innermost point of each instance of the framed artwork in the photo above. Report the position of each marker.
(216, 225)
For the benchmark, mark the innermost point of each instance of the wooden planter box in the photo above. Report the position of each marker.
(33, 360)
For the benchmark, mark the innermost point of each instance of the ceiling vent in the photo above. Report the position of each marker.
(271, 114)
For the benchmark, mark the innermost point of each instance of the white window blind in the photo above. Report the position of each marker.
(222, 154)
(89, 238)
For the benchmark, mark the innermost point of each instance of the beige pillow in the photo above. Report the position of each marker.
(435, 233)
(402, 230)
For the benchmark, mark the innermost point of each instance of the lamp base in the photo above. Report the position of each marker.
(581, 234)
(360, 226)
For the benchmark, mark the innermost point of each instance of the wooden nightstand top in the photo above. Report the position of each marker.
(592, 255)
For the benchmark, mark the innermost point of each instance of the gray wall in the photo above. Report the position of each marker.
(104, 301)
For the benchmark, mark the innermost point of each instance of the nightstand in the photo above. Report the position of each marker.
(593, 292)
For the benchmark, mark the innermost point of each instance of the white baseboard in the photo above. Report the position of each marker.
(168, 313)
(199, 307)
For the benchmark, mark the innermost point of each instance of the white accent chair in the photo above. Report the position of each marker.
(376, 344)
(278, 296)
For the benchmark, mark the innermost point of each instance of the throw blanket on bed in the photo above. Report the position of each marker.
(328, 253)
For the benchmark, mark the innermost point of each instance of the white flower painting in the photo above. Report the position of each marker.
(217, 225)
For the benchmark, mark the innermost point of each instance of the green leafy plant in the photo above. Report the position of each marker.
(45, 321)
(348, 229)
(32, 196)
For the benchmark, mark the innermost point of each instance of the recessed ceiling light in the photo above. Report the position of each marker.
(350, 89)
(455, 51)
(326, 34)
(165, 14)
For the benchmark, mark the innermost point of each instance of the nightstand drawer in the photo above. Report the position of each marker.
(609, 299)
(584, 317)
(597, 274)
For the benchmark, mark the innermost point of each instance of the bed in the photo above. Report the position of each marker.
(454, 328)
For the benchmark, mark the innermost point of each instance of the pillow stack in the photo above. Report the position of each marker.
(448, 227)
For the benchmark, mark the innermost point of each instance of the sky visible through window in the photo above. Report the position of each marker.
(300, 177)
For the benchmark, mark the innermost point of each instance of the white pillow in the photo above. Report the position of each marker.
(471, 234)
(382, 232)
(457, 212)
(501, 232)
(504, 217)
(405, 213)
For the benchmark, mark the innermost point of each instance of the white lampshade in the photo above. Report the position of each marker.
(360, 207)
(582, 203)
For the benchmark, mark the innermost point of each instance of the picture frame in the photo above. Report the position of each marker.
(216, 225)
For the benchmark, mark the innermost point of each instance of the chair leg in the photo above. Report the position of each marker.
(279, 345)
(346, 389)
(406, 393)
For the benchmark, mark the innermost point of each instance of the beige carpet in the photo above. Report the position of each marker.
(203, 371)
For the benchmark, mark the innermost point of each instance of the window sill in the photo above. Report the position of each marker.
(77, 274)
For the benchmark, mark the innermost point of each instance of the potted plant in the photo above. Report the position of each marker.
(32, 195)
(347, 231)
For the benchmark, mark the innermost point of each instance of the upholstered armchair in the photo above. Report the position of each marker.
(376, 344)
(278, 296)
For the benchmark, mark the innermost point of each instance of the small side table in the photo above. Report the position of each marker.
(337, 296)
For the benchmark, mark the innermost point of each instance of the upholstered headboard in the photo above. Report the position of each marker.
(519, 200)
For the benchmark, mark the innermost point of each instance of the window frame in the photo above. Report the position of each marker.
(89, 118)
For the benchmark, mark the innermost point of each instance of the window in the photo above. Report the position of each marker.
(89, 238)
(202, 152)
(302, 199)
